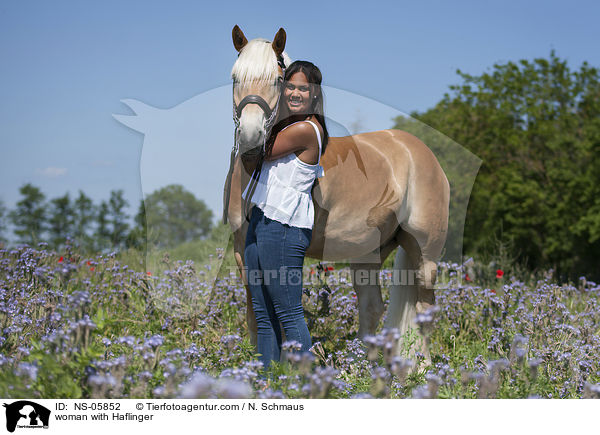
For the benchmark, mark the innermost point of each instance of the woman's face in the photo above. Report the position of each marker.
(297, 94)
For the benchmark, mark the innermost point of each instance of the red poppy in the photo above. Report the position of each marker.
(467, 277)
(492, 291)
(312, 272)
(89, 263)
(150, 273)
(329, 268)
(60, 260)
(499, 273)
(92, 268)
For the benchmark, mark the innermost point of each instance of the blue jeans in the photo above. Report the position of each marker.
(274, 255)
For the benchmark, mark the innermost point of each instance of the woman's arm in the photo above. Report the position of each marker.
(297, 137)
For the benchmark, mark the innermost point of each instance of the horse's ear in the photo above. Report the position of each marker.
(279, 42)
(239, 40)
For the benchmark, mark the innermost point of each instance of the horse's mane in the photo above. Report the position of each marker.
(257, 62)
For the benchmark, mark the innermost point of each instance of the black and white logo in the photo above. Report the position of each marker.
(26, 414)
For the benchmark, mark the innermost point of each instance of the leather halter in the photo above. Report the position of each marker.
(254, 99)
(270, 116)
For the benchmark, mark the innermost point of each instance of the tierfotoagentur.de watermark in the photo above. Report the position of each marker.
(294, 276)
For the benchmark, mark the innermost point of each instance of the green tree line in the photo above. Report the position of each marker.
(536, 126)
(169, 216)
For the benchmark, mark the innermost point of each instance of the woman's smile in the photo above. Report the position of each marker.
(297, 93)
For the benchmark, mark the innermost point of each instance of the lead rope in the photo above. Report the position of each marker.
(251, 188)
(234, 150)
(253, 184)
(227, 192)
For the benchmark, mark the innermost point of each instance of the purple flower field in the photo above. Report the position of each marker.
(75, 327)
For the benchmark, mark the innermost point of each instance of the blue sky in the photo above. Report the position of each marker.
(66, 66)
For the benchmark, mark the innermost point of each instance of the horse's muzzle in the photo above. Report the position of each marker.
(251, 148)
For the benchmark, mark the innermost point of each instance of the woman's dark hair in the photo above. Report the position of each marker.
(313, 74)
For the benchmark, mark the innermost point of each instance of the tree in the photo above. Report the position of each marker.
(137, 236)
(60, 222)
(102, 233)
(29, 218)
(2, 222)
(536, 126)
(85, 212)
(117, 218)
(175, 216)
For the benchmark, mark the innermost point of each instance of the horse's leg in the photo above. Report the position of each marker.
(370, 304)
(365, 280)
(423, 249)
(411, 291)
(403, 294)
(239, 241)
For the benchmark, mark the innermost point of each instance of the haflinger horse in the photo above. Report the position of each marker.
(381, 191)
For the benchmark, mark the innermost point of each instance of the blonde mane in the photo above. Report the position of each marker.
(257, 62)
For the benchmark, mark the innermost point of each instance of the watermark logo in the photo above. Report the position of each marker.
(25, 414)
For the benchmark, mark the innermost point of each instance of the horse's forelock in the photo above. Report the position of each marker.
(257, 62)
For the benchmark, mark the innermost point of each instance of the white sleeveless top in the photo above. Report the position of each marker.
(283, 188)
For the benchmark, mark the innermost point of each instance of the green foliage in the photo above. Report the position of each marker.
(61, 220)
(137, 237)
(175, 216)
(102, 233)
(536, 125)
(178, 221)
(84, 213)
(112, 229)
(2, 221)
(215, 253)
(117, 219)
(29, 218)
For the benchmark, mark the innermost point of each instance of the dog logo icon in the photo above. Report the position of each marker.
(26, 414)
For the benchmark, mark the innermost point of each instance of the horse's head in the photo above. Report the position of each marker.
(257, 80)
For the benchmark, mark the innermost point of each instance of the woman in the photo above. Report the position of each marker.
(282, 218)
